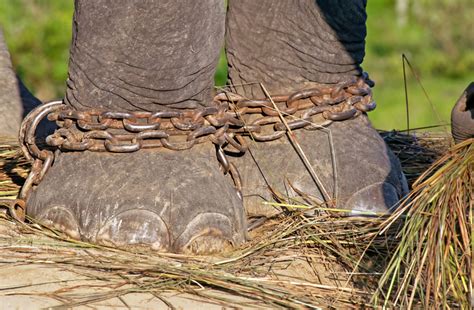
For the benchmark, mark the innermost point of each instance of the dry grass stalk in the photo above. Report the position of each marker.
(300, 151)
(416, 152)
(13, 169)
(432, 263)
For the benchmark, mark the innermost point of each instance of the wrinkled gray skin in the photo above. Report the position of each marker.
(288, 45)
(153, 55)
(462, 116)
(15, 99)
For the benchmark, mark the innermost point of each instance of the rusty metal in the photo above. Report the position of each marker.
(225, 122)
(180, 130)
(41, 159)
(15, 207)
(92, 130)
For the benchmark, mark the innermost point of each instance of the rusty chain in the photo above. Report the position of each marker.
(224, 123)
(41, 159)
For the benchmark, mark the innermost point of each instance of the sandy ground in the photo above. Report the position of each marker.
(30, 286)
(30, 278)
(27, 287)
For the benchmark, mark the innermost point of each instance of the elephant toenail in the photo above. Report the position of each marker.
(208, 243)
(135, 227)
(206, 233)
(61, 218)
(374, 199)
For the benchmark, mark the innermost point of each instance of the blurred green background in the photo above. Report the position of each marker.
(437, 36)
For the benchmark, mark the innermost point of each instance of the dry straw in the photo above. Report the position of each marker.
(432, 264)
(344, 257)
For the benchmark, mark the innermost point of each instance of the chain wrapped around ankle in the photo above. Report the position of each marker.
(224, 123)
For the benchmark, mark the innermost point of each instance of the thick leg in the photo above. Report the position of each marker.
(10, 103)
(292, 45)
(15, 99)
(143, 55)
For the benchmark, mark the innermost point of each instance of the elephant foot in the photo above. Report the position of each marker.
(175, 201)
(356, 168)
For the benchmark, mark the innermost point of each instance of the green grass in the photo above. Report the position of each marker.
(390, 97)
(38, 34)
(437, 68)
(220, 79)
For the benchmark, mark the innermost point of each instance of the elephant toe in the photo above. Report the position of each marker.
(60, 218)
(374, 199)
(135, 227)
(207, 233)
(208, 243)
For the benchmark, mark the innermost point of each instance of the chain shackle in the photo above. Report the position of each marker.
(41, 159)
(225, 122)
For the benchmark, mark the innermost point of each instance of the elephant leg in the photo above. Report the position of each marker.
(15, 99)
(10, 103)
(462, 116)
(292, 45)
(143, 56)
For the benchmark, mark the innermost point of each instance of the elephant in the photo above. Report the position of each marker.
(160, 57)
(462, 116)
(15, 99)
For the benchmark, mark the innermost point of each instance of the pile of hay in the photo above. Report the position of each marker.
(432, 263)
(293, 260)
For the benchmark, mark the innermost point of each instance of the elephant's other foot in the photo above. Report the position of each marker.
(311, 44)
(167, 200)
(366, 178)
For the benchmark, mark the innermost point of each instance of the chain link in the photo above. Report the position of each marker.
(224, 123)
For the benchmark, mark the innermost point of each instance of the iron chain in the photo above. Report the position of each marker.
(224, 123)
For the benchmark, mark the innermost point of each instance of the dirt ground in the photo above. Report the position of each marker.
(26, 285)
(32, 278)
